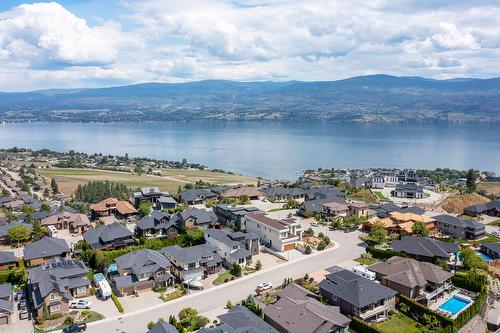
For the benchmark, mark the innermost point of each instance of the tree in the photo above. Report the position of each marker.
(38, 231)
(5, 193)
(151, 324)
(321, 246)
(45, 208)
(54, 187)
(326, 239)
(308, 249)
(145, 208)
(471, 260)
(310, 231)
(244, 200)
(420, 229)
(186, 315)
(18, 233)
(378, 233)
(235, 270)
(258, 265)
(471, 181)
(229, 305)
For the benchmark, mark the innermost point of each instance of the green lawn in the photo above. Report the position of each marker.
(495, 223)
(400, 323)
(366, 261)
(379, 195)
(222, 277)
(173, 295)
(490, 239)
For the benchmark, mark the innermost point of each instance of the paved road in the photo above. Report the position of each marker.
(135, 322)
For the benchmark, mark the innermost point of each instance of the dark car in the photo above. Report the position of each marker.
(75, 328)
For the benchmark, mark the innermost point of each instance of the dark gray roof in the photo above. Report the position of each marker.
(355, 290)
(283, 191)
(202, 252)
(412, 209)
(409, 187)
(7, 256)
(156, 220)
(455, 221)
(221, 236)
(494, 204)
(492, 246)
(316, 205)
(6, 299)
(202, 216)
(196, 194)
(4, 229)
(240, 320)
(163, 327)
(46, 247)
(96, 238)
(425, 246)
(143, 261)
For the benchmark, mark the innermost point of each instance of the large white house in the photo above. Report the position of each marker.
(233, 247)
(280, 235)
(384, 179)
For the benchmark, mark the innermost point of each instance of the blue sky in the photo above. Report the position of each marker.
(94, 43)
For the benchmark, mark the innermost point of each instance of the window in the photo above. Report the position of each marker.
(81, 290)
(55, 308)
(143, 276)
(54, 296)
(160, 273)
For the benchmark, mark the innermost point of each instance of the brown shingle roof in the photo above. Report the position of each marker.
(262, 217)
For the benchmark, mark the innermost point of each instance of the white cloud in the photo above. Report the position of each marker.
(180, 40)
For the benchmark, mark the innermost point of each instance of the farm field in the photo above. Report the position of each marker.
(68, 179)
(489, 187)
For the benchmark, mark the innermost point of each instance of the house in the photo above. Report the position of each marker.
(55, 284)
(73, 222)
(157, 225)
(192, 263)
(402, 223)
(492, 250)
(7, 260)
(252, 193)
(421, 281)
(111, 206)
(459, 228)
(323, 192)
(109, 237)
(408, 191)
(196, 196)
(298, 310)
(4, 230)
(233, 247)
(491, 208)
(316, 206)
(166, 203)
(234, 215)
(283, 193)
(426, 249)
(142, 270)
(163, 327)
(333, 210)
(384, 179)
(357, 296)
(195, 218)
(148, 194)
(280, 235)
(358, 209)
(239, 320)
(6, 303)
(359, 182)
(44, 250)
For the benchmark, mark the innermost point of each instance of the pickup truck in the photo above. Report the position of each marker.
(75, 328)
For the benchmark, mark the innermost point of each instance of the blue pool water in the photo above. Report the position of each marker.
(485, 257)
(454, 305)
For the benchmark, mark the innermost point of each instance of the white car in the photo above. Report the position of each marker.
(264, 286)
(80, 304)
(496, 233)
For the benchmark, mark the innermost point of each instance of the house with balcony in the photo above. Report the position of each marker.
(426, 248)
(196, 196)
(408, 191)
(298, 310)
(142, 270)
(233, 247)
(231, 215)
(148, 194)
(459, 228)
(44, 250)
(193, 263)
(422, 281)
(157, 225)
(109, 237)
(195, 218)
(356, 295)
(56, 283)
(121, 209)
(73, 222)
(279, 235)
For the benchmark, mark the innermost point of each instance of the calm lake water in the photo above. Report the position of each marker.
(273, 150)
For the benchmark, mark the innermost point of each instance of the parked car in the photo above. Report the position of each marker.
(22, 304)
(80, 304)
(351, 229)
(23, 315)
(496, 233)
(75, 328)
(264, 286)
(314, 224)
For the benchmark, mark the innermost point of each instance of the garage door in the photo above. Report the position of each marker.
(288, 247)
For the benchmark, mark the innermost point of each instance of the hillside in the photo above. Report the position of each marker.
(364, 98)
(457, 203)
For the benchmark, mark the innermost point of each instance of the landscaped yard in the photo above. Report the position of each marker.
(400, 323)
(366, 261)
(495, 223)
(490, 239)
(223, 277)
(173, 295)
(379, 195)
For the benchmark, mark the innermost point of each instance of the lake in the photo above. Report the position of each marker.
(273, 149)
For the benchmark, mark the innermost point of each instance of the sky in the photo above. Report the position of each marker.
(96, 43)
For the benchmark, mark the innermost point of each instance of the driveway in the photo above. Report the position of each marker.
(105, 307)
(211, 299)
(433, 197)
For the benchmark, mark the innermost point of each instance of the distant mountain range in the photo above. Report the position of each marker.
(363, 98)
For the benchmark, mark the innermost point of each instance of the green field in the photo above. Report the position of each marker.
(400, 323)
(68, 179)
(379, 195)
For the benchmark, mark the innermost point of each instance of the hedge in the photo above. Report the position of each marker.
(417, 310)
(469, 281)
(384, 254)
(360, 326)
(471, 311)
(4, 275)
(117, 303)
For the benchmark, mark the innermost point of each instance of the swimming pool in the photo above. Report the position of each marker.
(454, 304)
(485, 257)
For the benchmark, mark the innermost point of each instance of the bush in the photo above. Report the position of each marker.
(416, 311)
(258, 265)
(160, 289)
(360, 326)
(117, 303)
(54, 316)
(384, 254)
(308, 249)
(235, 270)
(471, 281)
(69, 321)
(229, 305)
(321, 246)
(151, 324)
